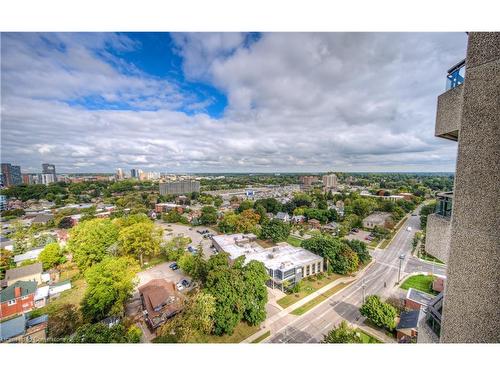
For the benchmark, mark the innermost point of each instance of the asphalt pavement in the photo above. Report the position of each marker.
(380, 279)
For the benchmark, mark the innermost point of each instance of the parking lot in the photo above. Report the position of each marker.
(360, 235)
(175, 230)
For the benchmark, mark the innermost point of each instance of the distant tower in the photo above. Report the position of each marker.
(49, 169)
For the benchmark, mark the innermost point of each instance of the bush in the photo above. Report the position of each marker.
(380, 313)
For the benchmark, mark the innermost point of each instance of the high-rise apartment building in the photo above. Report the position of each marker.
(49, 169)
(135, 173)
(119, 175)
(330, 181)
(180, 187)
(308, 180)
(11, 174)
(465, 229)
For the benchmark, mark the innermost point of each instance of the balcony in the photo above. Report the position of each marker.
(438, 230)
(449, 108)
(444, 204)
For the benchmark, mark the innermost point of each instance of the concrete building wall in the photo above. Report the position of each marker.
(437, 238)
(471, 309)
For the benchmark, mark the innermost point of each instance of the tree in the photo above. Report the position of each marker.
(51, 256)
(89, 241)
(341, 259)
(6, 261)
(65, 223)
(275, 230)
(101, 333)
(176, 247)
(193, 265)
(208, 215)
(255, 296)
(64, 321)
(359, 247)
(380, 313)
(195, 320)
(342, 334)
(140, 240)
(109, 284)
(245, 205)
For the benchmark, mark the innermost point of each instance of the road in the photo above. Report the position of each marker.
(380, 279)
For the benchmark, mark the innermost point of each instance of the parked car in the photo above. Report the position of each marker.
(355, 230)
(185, 283)
(174, 266)
(179, 286)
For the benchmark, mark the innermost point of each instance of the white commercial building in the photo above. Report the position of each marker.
(284, 262)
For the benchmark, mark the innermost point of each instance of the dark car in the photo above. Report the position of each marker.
(355, 230)
(174, 266)
(185, 283)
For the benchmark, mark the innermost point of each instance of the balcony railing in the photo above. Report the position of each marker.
(455, 76)
(444, 204)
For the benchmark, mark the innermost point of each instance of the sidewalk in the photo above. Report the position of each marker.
(267, 324)
(375, 333)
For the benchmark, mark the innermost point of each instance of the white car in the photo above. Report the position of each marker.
(179, 286)
(408, 229)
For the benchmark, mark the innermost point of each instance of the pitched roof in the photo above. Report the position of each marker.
(12, 327)
(408, 319)
(32, 254)
(159, 294)
(27, 287)
(16, 273)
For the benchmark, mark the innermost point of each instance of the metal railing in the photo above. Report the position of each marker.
(455, 76)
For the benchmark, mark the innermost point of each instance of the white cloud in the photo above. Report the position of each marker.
(297, 102)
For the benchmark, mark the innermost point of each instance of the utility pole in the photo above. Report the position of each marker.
(401, 257)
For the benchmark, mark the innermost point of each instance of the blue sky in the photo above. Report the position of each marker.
(226, 102)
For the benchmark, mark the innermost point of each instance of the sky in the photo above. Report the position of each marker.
(225, 102)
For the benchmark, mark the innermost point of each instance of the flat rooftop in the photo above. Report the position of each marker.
(282, 256)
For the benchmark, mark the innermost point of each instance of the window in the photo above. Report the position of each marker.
(11, 302)
(314, 268)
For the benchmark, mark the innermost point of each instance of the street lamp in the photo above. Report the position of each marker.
(401, 257)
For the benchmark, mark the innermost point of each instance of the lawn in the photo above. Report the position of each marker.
(309, 285)
(261, 337)
(429, 258)
(419, 282)
(366, 338)
(294, 241)
(317, 300)
(241, 332)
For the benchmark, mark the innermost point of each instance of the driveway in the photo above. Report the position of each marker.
(360, 235)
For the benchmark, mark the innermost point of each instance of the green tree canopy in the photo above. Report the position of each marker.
(208, 215)
(380, 313)
(141, 240)
(101, 333)
(109, 284)
(89, 241)
(342, 334)
(51, 256)
(275, 230)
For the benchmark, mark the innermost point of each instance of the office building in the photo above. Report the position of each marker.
(330, 181)
(135, 173)
(468, 113)
(49, 169)
(284, 263)
(47, 178)
(180, 187)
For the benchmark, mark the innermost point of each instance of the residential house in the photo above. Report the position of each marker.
(415, 299)
(32, 272)
(29, 255)
(406, 330)
(160, 301)
(17, 298)
(23, 329)
(42, 219)
(314, 223)
(298, 219)
(283, 216)
(377, 219)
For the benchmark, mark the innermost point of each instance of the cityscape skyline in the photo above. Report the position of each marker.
(194, 103)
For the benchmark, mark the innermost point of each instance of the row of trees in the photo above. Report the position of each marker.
(230, 292)
(343, 256)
